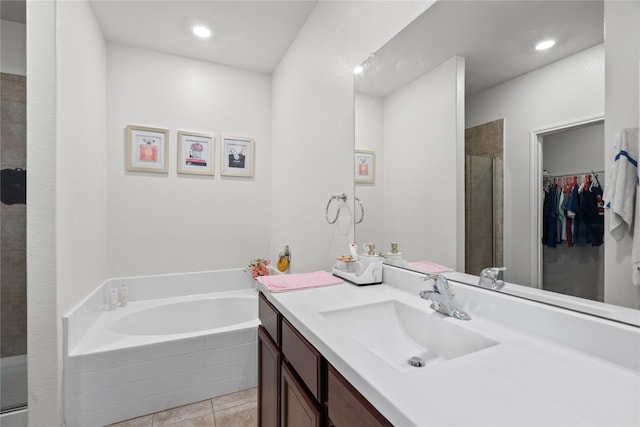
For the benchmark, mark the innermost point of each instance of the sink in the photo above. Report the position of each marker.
(397, 332)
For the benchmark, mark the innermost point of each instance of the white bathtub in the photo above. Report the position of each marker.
(181, 339)
(211, 313)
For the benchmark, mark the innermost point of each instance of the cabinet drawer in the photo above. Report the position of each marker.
(269, 318)
(304, 358)
(346, 407)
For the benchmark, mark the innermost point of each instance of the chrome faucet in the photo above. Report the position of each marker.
(442, 298)
(489, 278)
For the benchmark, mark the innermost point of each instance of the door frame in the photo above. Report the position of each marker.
(536, 138)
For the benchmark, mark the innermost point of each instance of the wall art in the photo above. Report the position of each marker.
(147, 149)
(237, 156)
(195, 153)
(365, 166)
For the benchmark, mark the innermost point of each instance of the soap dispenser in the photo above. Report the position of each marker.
(394, 257)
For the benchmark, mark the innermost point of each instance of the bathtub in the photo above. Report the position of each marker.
(182, 338)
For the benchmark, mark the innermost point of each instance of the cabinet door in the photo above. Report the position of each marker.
(268, 381)
(346, 407)
(298, 408)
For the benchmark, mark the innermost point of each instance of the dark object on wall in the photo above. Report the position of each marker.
(13, 186)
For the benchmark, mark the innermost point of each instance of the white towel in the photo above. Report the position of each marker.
(635, 247)
(622, 182)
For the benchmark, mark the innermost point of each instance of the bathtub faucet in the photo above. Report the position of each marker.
(442, 298)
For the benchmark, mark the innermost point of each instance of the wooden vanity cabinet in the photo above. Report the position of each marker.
(297, 387)
(347, 407)
(298, 408)
(269, 362)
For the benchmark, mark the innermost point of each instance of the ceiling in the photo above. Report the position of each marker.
(252, 35)
(497, 39)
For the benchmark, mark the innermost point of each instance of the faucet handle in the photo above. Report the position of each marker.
(489, 278)
(492, 272)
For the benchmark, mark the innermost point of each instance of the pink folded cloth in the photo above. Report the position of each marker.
(429, 267)
(291, 282)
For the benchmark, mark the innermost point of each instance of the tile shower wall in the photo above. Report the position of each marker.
(13, 281)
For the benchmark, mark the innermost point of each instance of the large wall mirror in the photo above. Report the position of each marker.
(467, 125)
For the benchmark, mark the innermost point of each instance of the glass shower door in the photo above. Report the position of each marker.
(13, 281)
(480, 229)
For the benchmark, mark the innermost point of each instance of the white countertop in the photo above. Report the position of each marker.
(525, 380)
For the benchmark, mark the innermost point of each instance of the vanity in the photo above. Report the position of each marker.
(378, 355)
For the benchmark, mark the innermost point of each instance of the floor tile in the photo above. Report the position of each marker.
(245, 415)
(181, 413)
(201, 421)
(235, 399)
(145, 421)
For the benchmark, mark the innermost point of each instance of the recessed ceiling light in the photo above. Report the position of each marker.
(544, 45)
(359, 69)
(201, 31)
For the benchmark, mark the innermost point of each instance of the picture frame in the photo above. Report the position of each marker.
(237, 156)
(196, 153)
(147, 149)
(365, 167)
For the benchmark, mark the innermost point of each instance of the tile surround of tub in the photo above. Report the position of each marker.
(107, 387)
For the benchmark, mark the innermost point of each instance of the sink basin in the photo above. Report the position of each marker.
(396, 332)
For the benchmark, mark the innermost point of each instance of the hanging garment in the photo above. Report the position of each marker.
(622, 183)
(550, 217)
(593, 222)
(580, 237)
(13, 186)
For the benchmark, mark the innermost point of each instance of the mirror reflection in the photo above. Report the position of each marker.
(471, 126)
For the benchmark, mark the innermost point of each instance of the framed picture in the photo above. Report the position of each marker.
(365, 167)
(147, 149)
(237, 156)
(195, 153)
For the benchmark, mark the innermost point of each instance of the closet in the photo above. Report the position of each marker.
(572, 212)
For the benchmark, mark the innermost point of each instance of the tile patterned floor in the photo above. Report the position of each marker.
(232, 410)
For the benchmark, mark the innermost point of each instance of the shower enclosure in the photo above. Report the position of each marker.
(483, 197)
(13, 283)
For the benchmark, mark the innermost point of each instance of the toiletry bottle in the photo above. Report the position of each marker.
(124, 294)
(113, 298)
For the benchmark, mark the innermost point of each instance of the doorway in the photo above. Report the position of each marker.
(572, 232)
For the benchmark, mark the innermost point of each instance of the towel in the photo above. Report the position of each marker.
(622, 183)
(635, 247)
(429, 267)
(291, 282)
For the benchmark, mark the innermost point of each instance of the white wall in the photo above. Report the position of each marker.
(566, 91)
(576, 150)
(13, 48)
(44, 379)
(66, 208)
(313, 131)
(81, 193)
(421, 145)
(167, 223)
(369, 135)
(622, 22)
